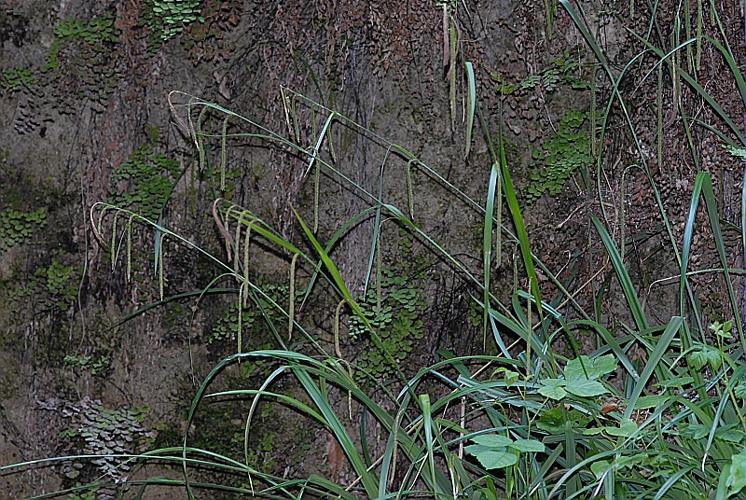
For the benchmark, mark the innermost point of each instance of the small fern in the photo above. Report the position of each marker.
(16, 227)
(14, 79)
(396, 320)
(559, 157)
(151, 177)
(168, 18)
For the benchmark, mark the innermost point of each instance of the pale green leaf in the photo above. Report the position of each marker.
(593, 431)
(675, 382)
(737, 473)
(585, 388)
(599, 468)
(553, 388)
(493, 458)
(492, 440)
(590, 368)
(697, 359)
(646, 402)
(626, 428)
(528, 446)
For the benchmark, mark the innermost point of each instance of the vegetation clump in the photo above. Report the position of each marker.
(168, 18)
(559, 157)
(394, 317)
(14, 79)
(17, 226)
(579, 388)
(149, 177)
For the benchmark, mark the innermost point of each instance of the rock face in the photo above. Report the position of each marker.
(87, 99)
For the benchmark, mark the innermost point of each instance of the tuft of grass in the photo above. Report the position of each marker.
(536, 421)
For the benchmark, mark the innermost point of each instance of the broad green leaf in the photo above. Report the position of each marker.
(737, 473)
(626, 428)
(697, 359)
(556, 420)
(553, 388)
(510, 376)
(493, 458)
(731, 435)
(632, 460)
(594, 367)
(492, 440)
(585, 388)
(646, 402)
(714, 357)
(528, 446)
(599, 468)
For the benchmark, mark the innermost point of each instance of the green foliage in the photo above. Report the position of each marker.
(736, 474)
(395, 319)
(563, 71)
(17, 226)
(90, 494)
(150, 176)
(559, 157)
(670, 426)
(96, 365)
(93, 31)
(580, 378)
(97, 430)
(702, 355)
(232, 179)
(96, 34)
(226, 328)
(264, 444)
(497, 452)
(168, 18)
(14, 79)
(59, 280)
(735, 151)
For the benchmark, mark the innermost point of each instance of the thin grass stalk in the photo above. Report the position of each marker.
(471, 104)
(223, 153)
(291, 298)
(453, 56)
(487, 235)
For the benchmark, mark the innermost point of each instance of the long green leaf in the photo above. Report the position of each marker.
(471, 104)
(630, 294)
(368, 478)
(652, 362)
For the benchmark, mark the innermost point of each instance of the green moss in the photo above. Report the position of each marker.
(395, 318)
(144, 182)
(559, 157)
(167, 18)
(12, 80)
(17, 227)
(95, 365)
(232, 176)
(227, 326)
(93, 31)
(59, 280)
(563, 71)
(96, 34)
